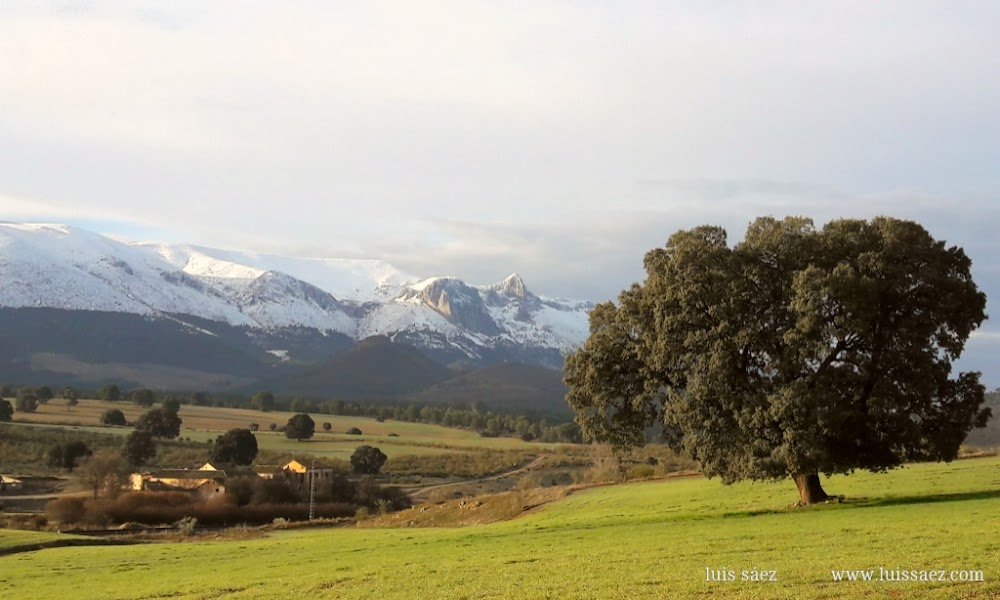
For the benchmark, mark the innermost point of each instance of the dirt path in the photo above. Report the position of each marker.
(423, 493)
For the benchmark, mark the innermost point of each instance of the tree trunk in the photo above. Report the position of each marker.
(810, 490)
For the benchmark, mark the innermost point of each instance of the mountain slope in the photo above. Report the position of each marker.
(282, 305)
(375, 369)
(508, 385)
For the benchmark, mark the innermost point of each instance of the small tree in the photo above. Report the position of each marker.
(263, 401)
(70, 397)
(110, 393)
(367, 460)
(6, 410)
(66, 456)
(327, 426)
(159, 423)
(142, 396)
(272, 427)
(172, 405)
(300, 427)
(354, 431)
(113, 416)
(26, 402)
(102, 471)
(139, 448)
(43, 394)
(254, 426)
(237, 446)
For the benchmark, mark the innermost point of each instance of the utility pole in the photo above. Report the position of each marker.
(312, 491)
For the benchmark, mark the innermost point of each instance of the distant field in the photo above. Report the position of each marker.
(648, 540)
(203, 423)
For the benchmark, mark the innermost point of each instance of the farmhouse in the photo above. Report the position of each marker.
(9, 484)
(209, 480)
(295, 473)
(205, 483)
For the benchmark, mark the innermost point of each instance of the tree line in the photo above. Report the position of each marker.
(487, 422)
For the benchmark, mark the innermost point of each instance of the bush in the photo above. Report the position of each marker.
(187, 525)
(26, 402)
(640, 472)
(113, 416)
(65, 510)
(354, 431)
(153, 508)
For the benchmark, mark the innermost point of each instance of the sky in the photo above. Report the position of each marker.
(558, 139)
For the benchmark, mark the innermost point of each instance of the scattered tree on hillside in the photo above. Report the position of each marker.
(142, 396)
(237, 446)
(113, 416)
(159, 423)
(138, 449)
(300, 427)
(367, 460)
(263, 401)
(70, 397)
(43, 394)
(327, 426)
(254, 426)
(110, 393)
(26, 402)
(797, 352)
(172, 405)
(102, 471)
(272, 427)
(353, 431)
(6, 410)
(66, 456)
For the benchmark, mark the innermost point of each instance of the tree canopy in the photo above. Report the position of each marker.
(796, 352)
(6, 410)
(113, 416)
(139, 448)
(237, 446)
(300, 427)
(142, 396)
(367, 460)
(110, 393)
(159, 423)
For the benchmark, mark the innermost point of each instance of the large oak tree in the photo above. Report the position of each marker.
(796, 352)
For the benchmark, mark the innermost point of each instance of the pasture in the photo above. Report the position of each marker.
(205, 423)
(642, 540)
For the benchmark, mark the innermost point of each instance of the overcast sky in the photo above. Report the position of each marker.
(560, 140)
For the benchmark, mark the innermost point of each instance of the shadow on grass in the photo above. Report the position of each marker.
(928, 499)
(845, 502)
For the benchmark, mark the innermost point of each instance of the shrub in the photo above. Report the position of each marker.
(354, 431)
(187, 525)
(65, 510)
(113, 416)
(640, 472)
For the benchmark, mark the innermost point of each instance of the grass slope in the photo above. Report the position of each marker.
(205, 423)
(649, 540)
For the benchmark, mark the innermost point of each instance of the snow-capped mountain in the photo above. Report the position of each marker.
(278, 298)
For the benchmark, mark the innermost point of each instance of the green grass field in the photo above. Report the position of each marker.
(646, 540)
(204, 423)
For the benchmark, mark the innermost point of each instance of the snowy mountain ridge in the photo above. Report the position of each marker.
(55, 266)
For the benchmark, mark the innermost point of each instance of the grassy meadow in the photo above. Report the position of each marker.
(205, 423)
(642, 540)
